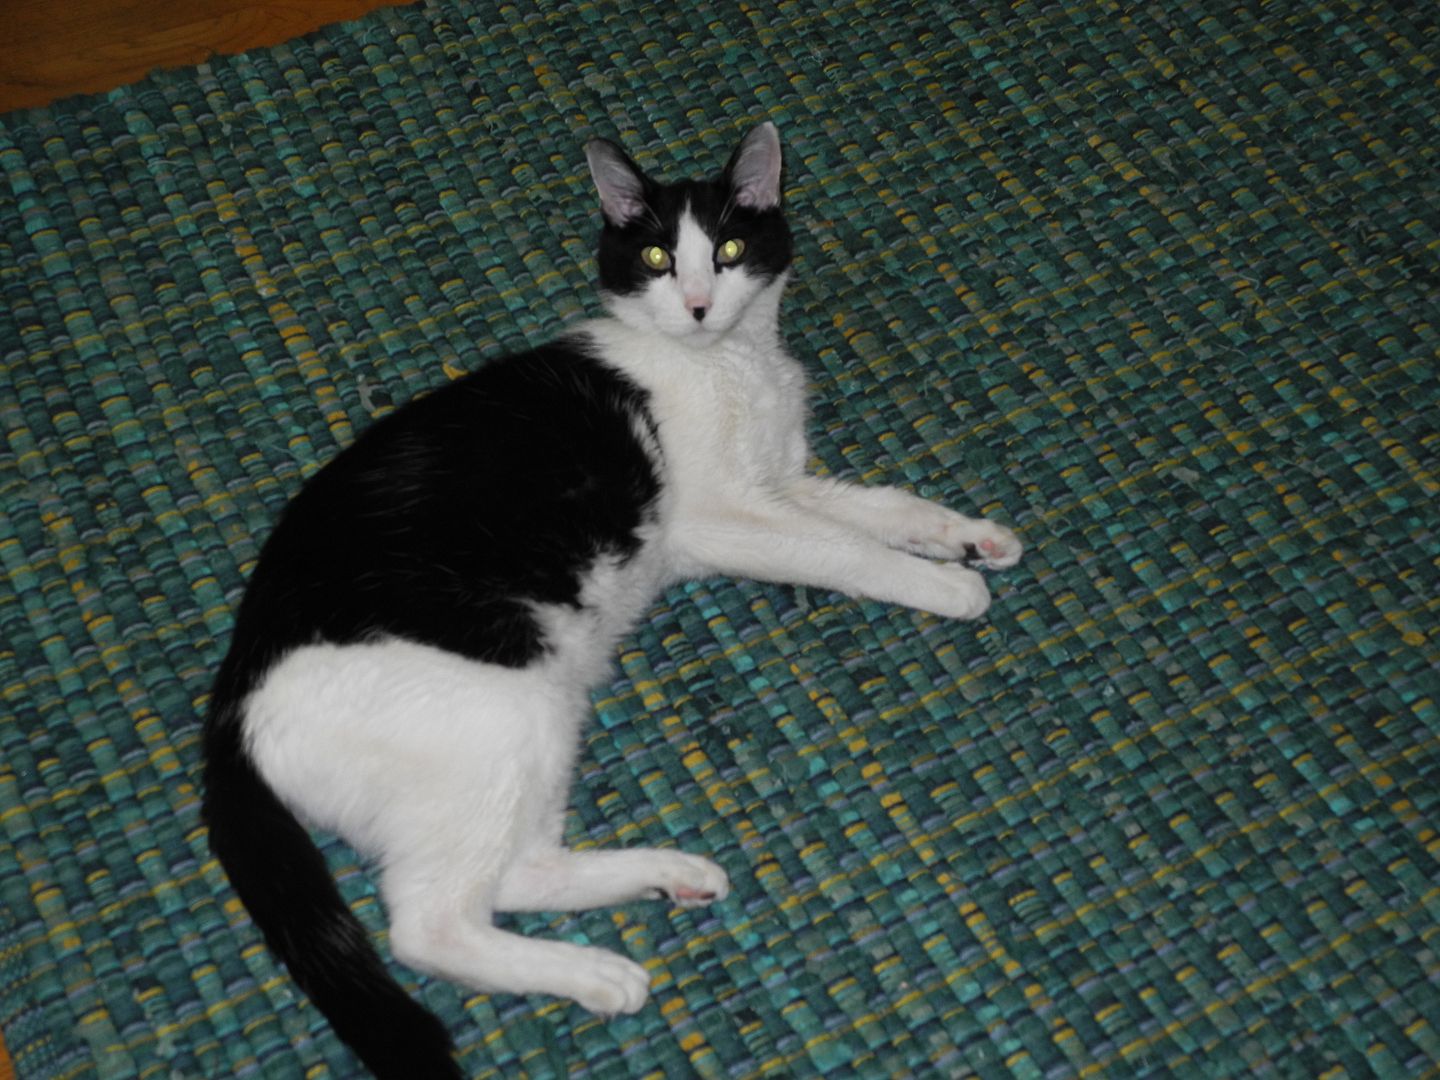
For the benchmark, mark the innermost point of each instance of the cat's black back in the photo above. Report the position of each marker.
(444, 521)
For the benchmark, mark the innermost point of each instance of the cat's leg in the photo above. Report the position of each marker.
(436, 929)
(901, 520)
(544, 875)
(436, 765)
(562, 880)
(779, 540)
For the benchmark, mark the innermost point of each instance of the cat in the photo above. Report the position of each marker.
(412, 658)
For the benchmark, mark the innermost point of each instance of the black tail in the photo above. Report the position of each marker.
(284, 883)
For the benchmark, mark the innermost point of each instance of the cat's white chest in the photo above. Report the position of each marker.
(731, 416)
(731, 423)
(751, 406)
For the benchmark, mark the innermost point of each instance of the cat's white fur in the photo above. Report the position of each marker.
(454, 775)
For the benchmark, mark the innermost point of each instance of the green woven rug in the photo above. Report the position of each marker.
(1156, 283)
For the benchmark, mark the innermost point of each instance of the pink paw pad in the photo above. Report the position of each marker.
(689, 893)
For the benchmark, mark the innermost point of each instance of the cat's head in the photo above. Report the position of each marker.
(691, 259)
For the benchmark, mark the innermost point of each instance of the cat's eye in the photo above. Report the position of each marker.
(729, 252)
(656, 258)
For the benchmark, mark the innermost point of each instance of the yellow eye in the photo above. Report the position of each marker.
(730, 252)
(656, 258)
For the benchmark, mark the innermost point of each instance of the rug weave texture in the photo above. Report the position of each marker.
(1155, 283)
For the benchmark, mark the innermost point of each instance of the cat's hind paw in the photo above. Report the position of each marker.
(689, 880)
(607, 983)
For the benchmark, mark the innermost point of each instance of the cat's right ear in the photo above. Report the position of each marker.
(619, 181)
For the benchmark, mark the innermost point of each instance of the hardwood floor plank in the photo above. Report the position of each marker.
(50, 49)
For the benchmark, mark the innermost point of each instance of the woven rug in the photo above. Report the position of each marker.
(1155, 283)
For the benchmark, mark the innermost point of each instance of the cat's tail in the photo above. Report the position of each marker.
(281, 877)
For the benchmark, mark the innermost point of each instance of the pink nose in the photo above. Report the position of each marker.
(698, 303)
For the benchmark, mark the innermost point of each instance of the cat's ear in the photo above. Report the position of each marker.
(619, 181)
(754, 169)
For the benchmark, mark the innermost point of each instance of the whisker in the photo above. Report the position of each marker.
(726, 210)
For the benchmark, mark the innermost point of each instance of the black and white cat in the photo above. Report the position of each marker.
(412, 659)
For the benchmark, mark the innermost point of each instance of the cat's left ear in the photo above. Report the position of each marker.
(754, 169)
(619, 181)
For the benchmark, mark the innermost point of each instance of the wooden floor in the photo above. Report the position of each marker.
(51, 49)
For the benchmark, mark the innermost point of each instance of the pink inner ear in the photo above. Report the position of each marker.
(622, 210)
(618, 182)
(754, 197)
(756, 174)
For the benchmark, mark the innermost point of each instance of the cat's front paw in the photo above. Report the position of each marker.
(992, 546)
(956, 592)
(938, 532)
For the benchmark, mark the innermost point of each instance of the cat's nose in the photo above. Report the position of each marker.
(699, 312)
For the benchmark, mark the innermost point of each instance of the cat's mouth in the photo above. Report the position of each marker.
(706, 334)
(679, 325)
(696, 330)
